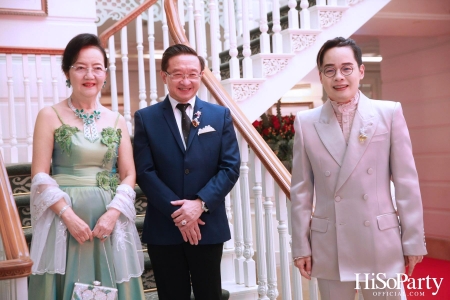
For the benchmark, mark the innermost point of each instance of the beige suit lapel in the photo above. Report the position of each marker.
(330, 133)
(365, 117)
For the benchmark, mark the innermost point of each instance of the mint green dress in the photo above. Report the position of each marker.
(80, 166)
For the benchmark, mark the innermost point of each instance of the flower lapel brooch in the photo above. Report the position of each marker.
(362, 134)
(196, 121)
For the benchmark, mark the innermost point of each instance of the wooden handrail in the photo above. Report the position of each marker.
(24, 50)
(104, 36)
(18, 262)
(273, 165)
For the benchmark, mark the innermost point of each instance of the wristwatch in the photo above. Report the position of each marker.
(204, 208)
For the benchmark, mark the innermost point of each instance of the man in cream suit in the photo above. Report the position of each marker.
(347, 151)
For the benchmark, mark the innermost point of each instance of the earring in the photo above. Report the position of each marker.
(104, 84)
(68, 83)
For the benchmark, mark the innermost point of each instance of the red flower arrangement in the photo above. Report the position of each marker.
(278, 131)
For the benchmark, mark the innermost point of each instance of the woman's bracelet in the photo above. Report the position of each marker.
(63, 210)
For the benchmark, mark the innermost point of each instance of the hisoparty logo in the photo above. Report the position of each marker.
(379, 281)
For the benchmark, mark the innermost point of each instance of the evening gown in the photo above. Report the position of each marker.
(76, 169)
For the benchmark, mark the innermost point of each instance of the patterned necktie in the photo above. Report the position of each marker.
(185, 121)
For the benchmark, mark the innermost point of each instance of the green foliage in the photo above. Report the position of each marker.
(63, 136)
(111, 138)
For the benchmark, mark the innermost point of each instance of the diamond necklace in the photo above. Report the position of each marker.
(89, 126)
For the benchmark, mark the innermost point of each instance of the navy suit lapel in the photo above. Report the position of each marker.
(170, 119)
(194, 130)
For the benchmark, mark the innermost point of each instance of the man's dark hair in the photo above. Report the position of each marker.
(339, 42)
(179, 49)
(74, 47)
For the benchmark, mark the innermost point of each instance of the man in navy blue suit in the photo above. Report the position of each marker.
(187, 161)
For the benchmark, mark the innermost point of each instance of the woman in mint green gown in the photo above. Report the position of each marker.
(83, 215)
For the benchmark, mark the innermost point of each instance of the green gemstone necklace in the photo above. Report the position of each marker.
(89, 126)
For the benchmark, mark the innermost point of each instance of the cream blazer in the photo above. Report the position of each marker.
(353, 226)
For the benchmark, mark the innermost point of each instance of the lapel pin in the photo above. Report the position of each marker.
(197, 115)
(362, 134)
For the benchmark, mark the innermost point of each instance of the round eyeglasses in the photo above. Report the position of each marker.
(180, 76)
(97, 71)
(331, 71)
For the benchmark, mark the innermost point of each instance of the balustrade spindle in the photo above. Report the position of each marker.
(181, 14)
(292, 15)
(39, 82)
(264, 38)
(165, 31)
(321, 2)
(230, 243)
(201, 41)
(141, 68)
(192, 40)
(238, 231)
(247, 67)
(126, 81)
(14, 154)
(112, 74)
(249, 264)
(305, 19)
(272, 291)
(277, 42)
(216, 17)
(234, 62)
(54, 67)
(203, 51)
(284, 250)
(165, 28)
(296, 277)
(226, 25)
(27, 97)
(213, 26)
(198, 29)
(238, 9)
(238, 235)
(259, 226)
(152, 60)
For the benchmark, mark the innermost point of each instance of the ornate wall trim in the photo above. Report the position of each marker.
(302, 41)
(242, 91)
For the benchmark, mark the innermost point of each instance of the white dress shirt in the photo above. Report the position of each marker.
(177, 114)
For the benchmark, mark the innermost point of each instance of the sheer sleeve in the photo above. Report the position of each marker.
(125, 237)
(47, 253)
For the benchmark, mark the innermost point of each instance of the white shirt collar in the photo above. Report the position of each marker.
(174, 102)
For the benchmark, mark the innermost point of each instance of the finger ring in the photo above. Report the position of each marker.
(183, 222)
(104, 236)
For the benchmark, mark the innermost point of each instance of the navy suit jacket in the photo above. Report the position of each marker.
(208, 169)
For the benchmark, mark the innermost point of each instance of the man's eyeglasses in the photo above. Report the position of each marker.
(331, 71)
(180, 76)
(98, 70)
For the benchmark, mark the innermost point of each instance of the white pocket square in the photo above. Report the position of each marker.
(205, 129)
